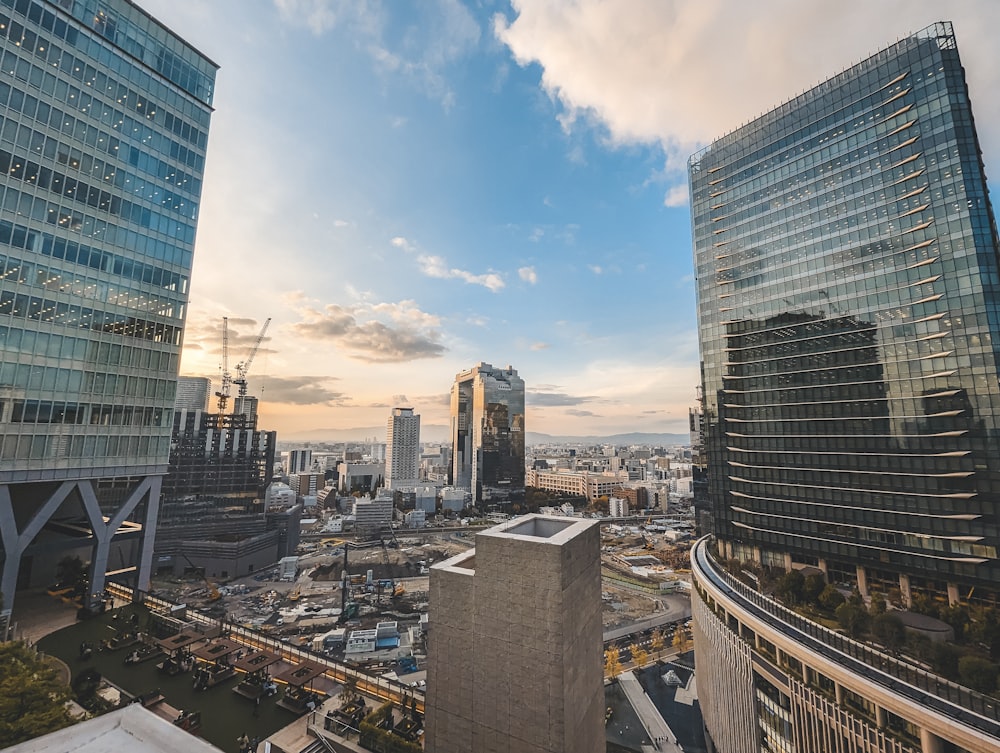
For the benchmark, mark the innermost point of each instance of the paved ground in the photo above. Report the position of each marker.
(38, 614)
(677, 705)
(624, 730)
(660, 735)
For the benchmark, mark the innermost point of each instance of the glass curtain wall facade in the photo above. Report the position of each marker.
(487, 430)
(847, 275)
(104, 117)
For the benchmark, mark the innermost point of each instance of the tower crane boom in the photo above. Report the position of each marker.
(227, 378)
(243, 368)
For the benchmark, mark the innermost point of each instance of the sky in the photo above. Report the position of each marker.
(409, 188)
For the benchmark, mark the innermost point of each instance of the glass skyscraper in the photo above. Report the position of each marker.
(847, 272)
(487, 433)
(847, 275)
(104, 117)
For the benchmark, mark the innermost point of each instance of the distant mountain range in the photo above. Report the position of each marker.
(438, 433)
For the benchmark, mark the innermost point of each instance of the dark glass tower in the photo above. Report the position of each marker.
(846, 257)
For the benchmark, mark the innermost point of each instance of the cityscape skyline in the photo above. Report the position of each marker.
(472, 152)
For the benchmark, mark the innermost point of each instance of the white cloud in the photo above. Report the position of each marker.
(528, 274)
(678, 73)
(319, 16)
(401, 243)
(362, 334)
(540, 346)
(677, 196)
(437, 266)
(596, 269)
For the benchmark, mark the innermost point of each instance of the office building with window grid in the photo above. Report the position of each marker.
(104, 117)
(847, 268)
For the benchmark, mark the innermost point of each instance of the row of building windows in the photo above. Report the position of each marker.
(807, 184)
(88, 350)
(90, 448)
(96, 113)
(39, 144)
(873, 112)
(35, 275)
(142, 243)
(47, 145)
(34, 379)
(45, 50)
(142, 37)
(93, 414)
(22, 169)
(37, 309)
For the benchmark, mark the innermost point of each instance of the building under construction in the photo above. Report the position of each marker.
(212, 515)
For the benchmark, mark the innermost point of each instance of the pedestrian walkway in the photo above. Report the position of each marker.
(661, 735)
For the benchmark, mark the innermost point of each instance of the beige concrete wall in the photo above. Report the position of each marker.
(515, 649)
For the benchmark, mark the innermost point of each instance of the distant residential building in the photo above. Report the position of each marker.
(487, 430)
(372, 516)
(306, 484)
(360, 477)
(515, 649)
(425, 498)
(192, 393)
(246, 406)
(582, 483)
(402, 460)
(454, 499)
(279, 493)
(618, 507)
(299, 461)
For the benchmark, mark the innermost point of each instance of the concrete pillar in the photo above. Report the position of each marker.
(11, 550)
(953, 595)
(862, 581)
(880, 717)
(98, 569)
(788, 562)
(930, 743)
(15, 542)
(149, 534)
(824, 568)
(838, 692)
(756, 555)
(904, 590)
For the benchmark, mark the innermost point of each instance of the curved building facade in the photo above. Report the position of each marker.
(770, 680)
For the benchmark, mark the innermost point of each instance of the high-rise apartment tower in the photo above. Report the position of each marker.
(847, 275)
(105, 116)
(487, 431)
(402, 458)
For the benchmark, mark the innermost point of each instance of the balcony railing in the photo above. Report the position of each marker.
(901, 677)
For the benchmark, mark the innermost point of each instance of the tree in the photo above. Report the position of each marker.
(32, 697)
(612, 663)
(978, 673)
(656, 641)
(791, 587)
(812, 587)
(640, 656)
(830, 597)
(681, 641)
(889, 631)
(852, 618)
(877, 606)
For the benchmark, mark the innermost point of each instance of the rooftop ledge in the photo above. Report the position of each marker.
(544, 529)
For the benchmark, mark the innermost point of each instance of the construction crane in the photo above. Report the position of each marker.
(227, 378)
(243, 367)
